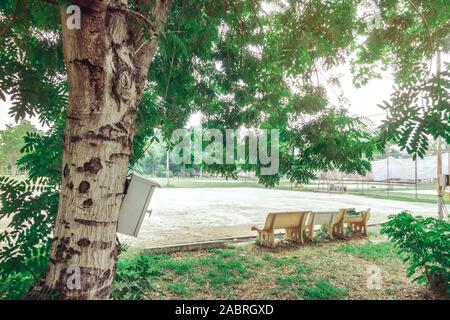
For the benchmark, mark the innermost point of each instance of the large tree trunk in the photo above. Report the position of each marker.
(107, 63)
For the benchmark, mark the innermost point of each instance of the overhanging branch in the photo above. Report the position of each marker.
(135, 14)
(11, 21)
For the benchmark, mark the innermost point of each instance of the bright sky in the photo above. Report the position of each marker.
(5, 118)
(363, 101)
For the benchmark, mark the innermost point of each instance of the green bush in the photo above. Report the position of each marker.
(425, 242)
(16, 280)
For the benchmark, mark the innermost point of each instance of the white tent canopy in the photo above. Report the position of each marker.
(404, 169)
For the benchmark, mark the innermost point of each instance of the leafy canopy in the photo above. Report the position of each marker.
(241, 64)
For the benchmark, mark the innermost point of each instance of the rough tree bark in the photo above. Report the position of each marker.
(107, 62)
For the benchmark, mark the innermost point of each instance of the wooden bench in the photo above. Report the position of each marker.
(333, 188)
(332, 221)
(292, 222)
(358, 223)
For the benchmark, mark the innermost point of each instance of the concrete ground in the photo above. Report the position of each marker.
(200, 214)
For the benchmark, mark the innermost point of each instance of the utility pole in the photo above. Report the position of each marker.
(440, 189)
(387, 170)
(448, 158)
(201, 130)
(448, 162)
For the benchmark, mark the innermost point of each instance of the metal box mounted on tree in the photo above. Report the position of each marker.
(135, 204)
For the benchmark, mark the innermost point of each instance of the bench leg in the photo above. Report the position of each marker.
(262, 238)
(359, 227)
(311, 231)
(272, 239)
(258, 237)
(353, 227)
(294, 234)
(365, 229)
(339, 230)
(266, 238)
(288, 234)
(330, 231)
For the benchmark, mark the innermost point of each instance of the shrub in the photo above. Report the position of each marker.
(16, 280)
(425, 242)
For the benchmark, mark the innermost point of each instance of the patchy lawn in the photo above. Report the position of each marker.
(319, 270)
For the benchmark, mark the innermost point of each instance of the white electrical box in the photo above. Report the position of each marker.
(444, 181)
(135, 204)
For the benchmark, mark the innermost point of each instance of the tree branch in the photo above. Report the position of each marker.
(11, 21)
(135, 14)
(427, 30)
(148, 49)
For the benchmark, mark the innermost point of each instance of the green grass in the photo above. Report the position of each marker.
(323, 270)
(323, 290)
(224, 268)
(294, 282)
(179, 267)
(285, 261)
(179, 289)
(370, 251)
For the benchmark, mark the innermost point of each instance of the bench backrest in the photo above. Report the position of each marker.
(366, 215)
(284, 220)
(326, 217)
(339, 217)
